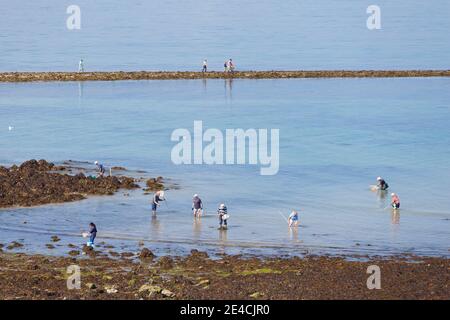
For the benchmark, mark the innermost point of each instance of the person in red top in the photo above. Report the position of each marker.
(395, 201)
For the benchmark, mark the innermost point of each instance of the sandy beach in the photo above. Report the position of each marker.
(187, 75)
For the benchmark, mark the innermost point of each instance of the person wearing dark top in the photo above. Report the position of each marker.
(157, 198)
(92, 233)
(197, 206)
(382, 184)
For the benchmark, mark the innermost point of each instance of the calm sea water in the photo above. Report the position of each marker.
(336, 137)
(257, 34)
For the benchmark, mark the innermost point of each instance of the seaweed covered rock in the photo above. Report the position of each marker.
(154, 184)
(36, 183)
(146, 254)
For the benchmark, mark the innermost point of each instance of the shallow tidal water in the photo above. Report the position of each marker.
(336, 137)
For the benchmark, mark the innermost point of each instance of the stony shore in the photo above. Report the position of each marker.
(186, 75)
(144, 276)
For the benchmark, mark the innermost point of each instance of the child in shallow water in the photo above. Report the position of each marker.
(223, 216)
(92, 234)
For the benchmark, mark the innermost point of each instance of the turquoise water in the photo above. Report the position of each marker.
(257, 34)
(336, 137)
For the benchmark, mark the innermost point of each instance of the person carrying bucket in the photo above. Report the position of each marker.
(92, 234)
(223, 216)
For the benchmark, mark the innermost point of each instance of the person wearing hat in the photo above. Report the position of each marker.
(157, 198)
(100, 168)
(197, 206)
(395, 201)
(382, 184)
(293, 219)
(223, 215)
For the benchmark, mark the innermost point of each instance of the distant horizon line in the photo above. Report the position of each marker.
(51, 76)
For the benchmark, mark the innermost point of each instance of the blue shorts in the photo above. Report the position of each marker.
(154, 206)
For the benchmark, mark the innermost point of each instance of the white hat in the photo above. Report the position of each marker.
(222, 205)
(96, 162)
(379, 178)
(393, 194)
(195, 195)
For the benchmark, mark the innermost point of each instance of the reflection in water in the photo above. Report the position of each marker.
(381, 195)
(229, 88)
(223, 236)
(80, 89)
(395, 224)
(395, 216)
(205, 82)
(293, 234)
(155, 227)
(197, 228)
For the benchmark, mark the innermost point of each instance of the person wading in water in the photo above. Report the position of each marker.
(197, 206)
(157, 198)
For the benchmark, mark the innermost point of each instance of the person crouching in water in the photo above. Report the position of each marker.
(382, 184)
(197, 206)
(92, 234)
(157, 198)
(100, 169)
(223, 216)
(293, 219)
(395, 201)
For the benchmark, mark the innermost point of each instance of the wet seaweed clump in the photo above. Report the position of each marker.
(146, 254)
(36, 183)
(154, 184)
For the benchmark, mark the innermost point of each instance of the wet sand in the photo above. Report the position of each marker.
(40, 182)
(231, 277)
(186, 75)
